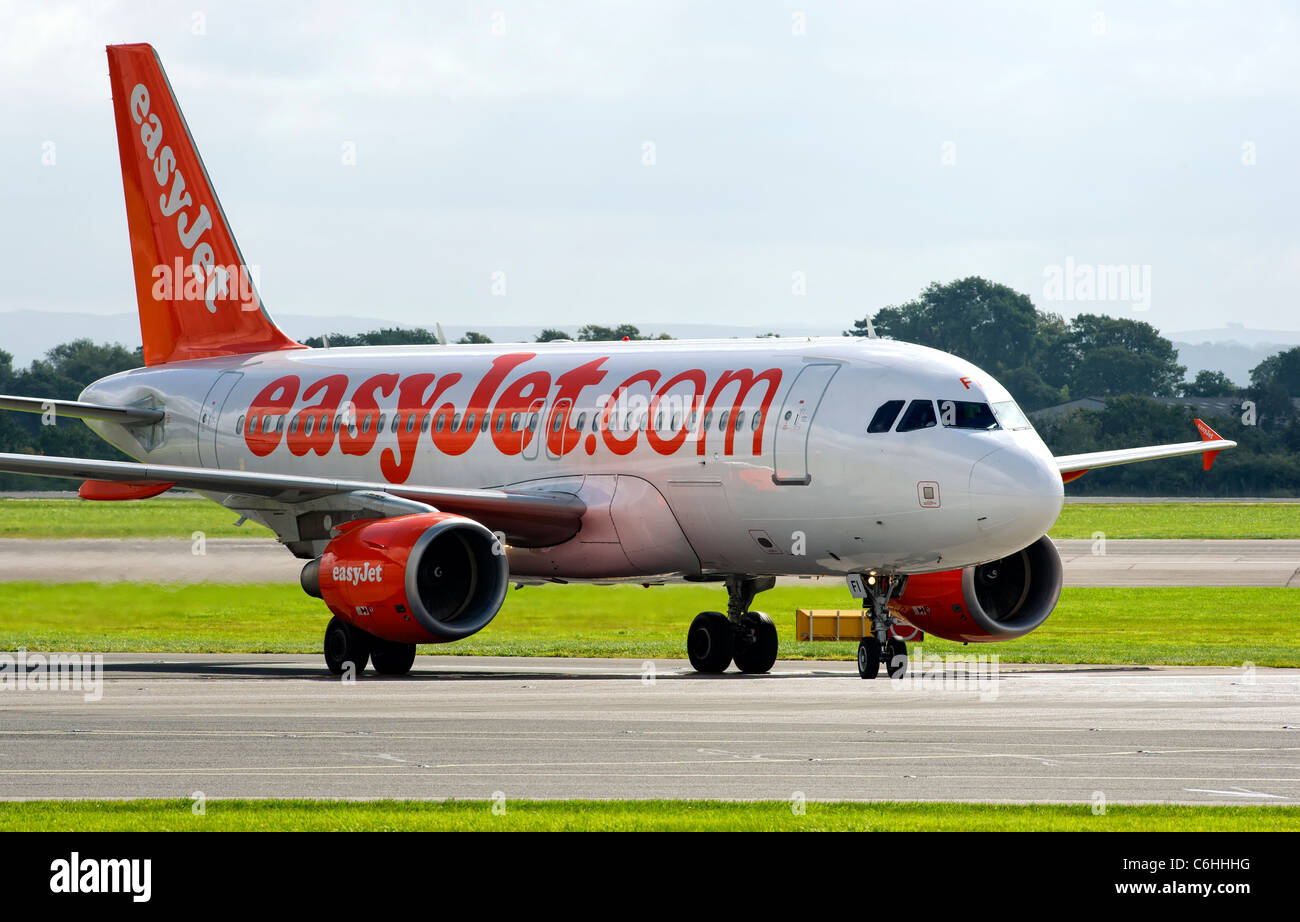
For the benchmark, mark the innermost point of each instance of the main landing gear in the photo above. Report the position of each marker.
(880, 644)
(747, 638)
(346, 646)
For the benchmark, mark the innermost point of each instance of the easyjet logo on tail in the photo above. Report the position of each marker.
(203, 279)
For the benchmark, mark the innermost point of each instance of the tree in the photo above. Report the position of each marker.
(396, 336)
(989, 324)
(549, 336)
(1103, 356)
(1210, 384)
(69, 367)
(473, 337)
(593, 333)
(1282, 369)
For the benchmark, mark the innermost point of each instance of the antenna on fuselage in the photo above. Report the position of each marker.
(442, 337)
(871, 330)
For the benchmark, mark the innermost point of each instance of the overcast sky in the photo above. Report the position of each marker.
(873, 148)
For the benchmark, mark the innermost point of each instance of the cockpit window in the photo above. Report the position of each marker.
(919, 415)
(966, 414)
(883, 421)
(1011, 416)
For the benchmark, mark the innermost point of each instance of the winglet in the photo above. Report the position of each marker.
(1208, 435)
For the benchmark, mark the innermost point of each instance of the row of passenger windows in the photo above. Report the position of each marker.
(920, 414)
(321, 422)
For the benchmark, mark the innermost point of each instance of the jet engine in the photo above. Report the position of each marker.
(427, 578)
(986, 603)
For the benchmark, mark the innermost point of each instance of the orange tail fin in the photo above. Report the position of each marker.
(193, 288)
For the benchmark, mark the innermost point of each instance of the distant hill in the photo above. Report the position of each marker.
(1233, 349)
(29, 334)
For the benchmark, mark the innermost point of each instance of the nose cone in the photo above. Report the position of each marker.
(1016, 494)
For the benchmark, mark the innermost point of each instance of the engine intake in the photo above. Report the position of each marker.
(991, 602)
(425, 578)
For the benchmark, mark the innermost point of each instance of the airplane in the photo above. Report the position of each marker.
(418, 482)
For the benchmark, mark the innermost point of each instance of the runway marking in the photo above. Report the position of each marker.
(819, 776)
(1235, 793)
(443, 766)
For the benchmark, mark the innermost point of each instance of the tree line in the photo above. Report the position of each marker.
(1041, 358)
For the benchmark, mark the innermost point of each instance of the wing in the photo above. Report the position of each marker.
(301, 510)
(1073, 467)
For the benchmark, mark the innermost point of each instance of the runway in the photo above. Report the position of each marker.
(172, 725)
(261, 560)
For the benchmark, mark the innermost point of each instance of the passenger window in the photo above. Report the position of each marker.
(919, 415)
(883, 421)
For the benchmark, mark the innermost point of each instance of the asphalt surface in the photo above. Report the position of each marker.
(253, 726)
(263, 560)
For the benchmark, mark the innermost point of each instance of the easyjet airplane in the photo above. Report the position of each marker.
(418, 482)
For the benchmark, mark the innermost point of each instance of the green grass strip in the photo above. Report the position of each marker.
(1148, 625)
(628, 815)
(1179, 520)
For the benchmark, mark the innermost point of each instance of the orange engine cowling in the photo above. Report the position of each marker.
(427, 578)
(1001, 600)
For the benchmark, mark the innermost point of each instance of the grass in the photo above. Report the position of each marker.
(179, 518)
(1179, 520)
(596, 815)
(145, 518)
(1149, 625)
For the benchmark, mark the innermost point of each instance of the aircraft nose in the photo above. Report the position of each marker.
(1016, 495)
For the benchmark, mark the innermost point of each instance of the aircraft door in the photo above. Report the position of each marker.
(210, 416)
(793, 423)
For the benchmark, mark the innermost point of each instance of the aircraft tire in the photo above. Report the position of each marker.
(392, 658)
(756, 644)
(868, 658)
(710, 642)
(896, 658)
(343, 644)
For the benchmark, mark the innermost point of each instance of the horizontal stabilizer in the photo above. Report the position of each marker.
(75, 409)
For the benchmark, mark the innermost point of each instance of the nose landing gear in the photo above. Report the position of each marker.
(876, 591)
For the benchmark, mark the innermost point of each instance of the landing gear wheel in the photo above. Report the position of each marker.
(896, 658)
(868, 658)
(755, 643)
(710, 642)
(392, 658)
(345, 644)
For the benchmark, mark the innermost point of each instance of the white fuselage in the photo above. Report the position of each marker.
(694, 458)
